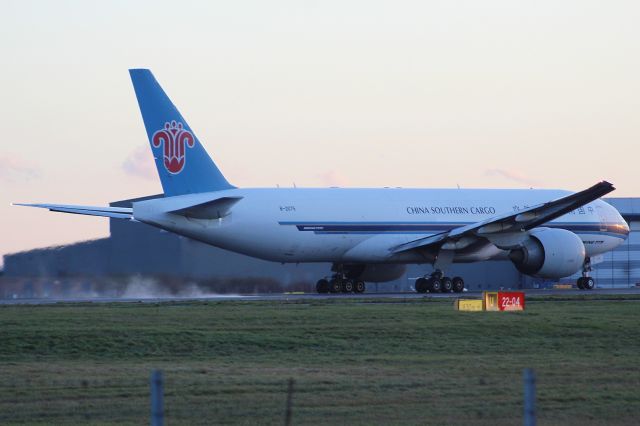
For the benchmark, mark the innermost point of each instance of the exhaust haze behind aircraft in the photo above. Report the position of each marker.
(367, 234)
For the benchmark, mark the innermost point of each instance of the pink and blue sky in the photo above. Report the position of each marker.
(509, 94)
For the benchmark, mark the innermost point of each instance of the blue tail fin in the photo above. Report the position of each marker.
(182, 162)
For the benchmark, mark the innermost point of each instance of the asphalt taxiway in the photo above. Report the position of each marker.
(309, 296)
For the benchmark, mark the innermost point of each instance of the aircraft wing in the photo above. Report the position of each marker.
(508, 229)
(117, 212)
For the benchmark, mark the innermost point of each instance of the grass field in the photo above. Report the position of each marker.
(413, 362)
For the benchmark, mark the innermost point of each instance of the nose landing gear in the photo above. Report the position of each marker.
(585, 282)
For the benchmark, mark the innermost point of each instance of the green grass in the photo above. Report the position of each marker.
(354, 362)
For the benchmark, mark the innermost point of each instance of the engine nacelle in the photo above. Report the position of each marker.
(549, 253)
(376, 273)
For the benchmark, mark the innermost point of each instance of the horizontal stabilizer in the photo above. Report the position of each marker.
(214, 209)
(115, 212)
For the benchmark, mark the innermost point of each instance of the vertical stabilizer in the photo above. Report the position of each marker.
(182, 162)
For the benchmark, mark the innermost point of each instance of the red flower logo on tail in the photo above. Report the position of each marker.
(175, 139)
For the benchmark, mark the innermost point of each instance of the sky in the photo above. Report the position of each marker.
(498, 94)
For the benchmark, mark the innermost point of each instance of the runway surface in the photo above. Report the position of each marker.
(310, 296)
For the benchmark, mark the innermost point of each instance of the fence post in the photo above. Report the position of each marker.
(529, 397)
(287, 419)
(157, 405)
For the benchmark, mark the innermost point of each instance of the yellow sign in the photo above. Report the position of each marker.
(469, 305)
(562, 286)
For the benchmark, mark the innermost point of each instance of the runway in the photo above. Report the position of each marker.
(312, 296)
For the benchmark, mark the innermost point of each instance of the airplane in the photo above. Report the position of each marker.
(367, 234)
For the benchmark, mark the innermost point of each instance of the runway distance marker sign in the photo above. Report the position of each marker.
(511, 300)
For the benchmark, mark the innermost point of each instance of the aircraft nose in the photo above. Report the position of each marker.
(625, 226)
(621, 225)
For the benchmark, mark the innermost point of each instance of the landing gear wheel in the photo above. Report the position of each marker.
(347, 286)
(458, 284)
(359, 287)
(588, 283)
(322, 286)
(434, 285)
(447, 285)
(585, 282)
(335, 286)
(421, 285)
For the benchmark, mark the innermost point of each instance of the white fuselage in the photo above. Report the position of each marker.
(360, 225)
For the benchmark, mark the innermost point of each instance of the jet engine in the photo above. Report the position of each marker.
(549, 253)
(376, 273)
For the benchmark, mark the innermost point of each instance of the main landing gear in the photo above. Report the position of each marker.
(340, 284)
(585, 282)
(437, 283)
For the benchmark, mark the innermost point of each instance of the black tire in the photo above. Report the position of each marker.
(322, 286)
(447, 285)
(580, 283)
(335, 286)
(588, 283)
(421, 285)
(458, 284)
(434, 285)
(347, 286)
(359, 287)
